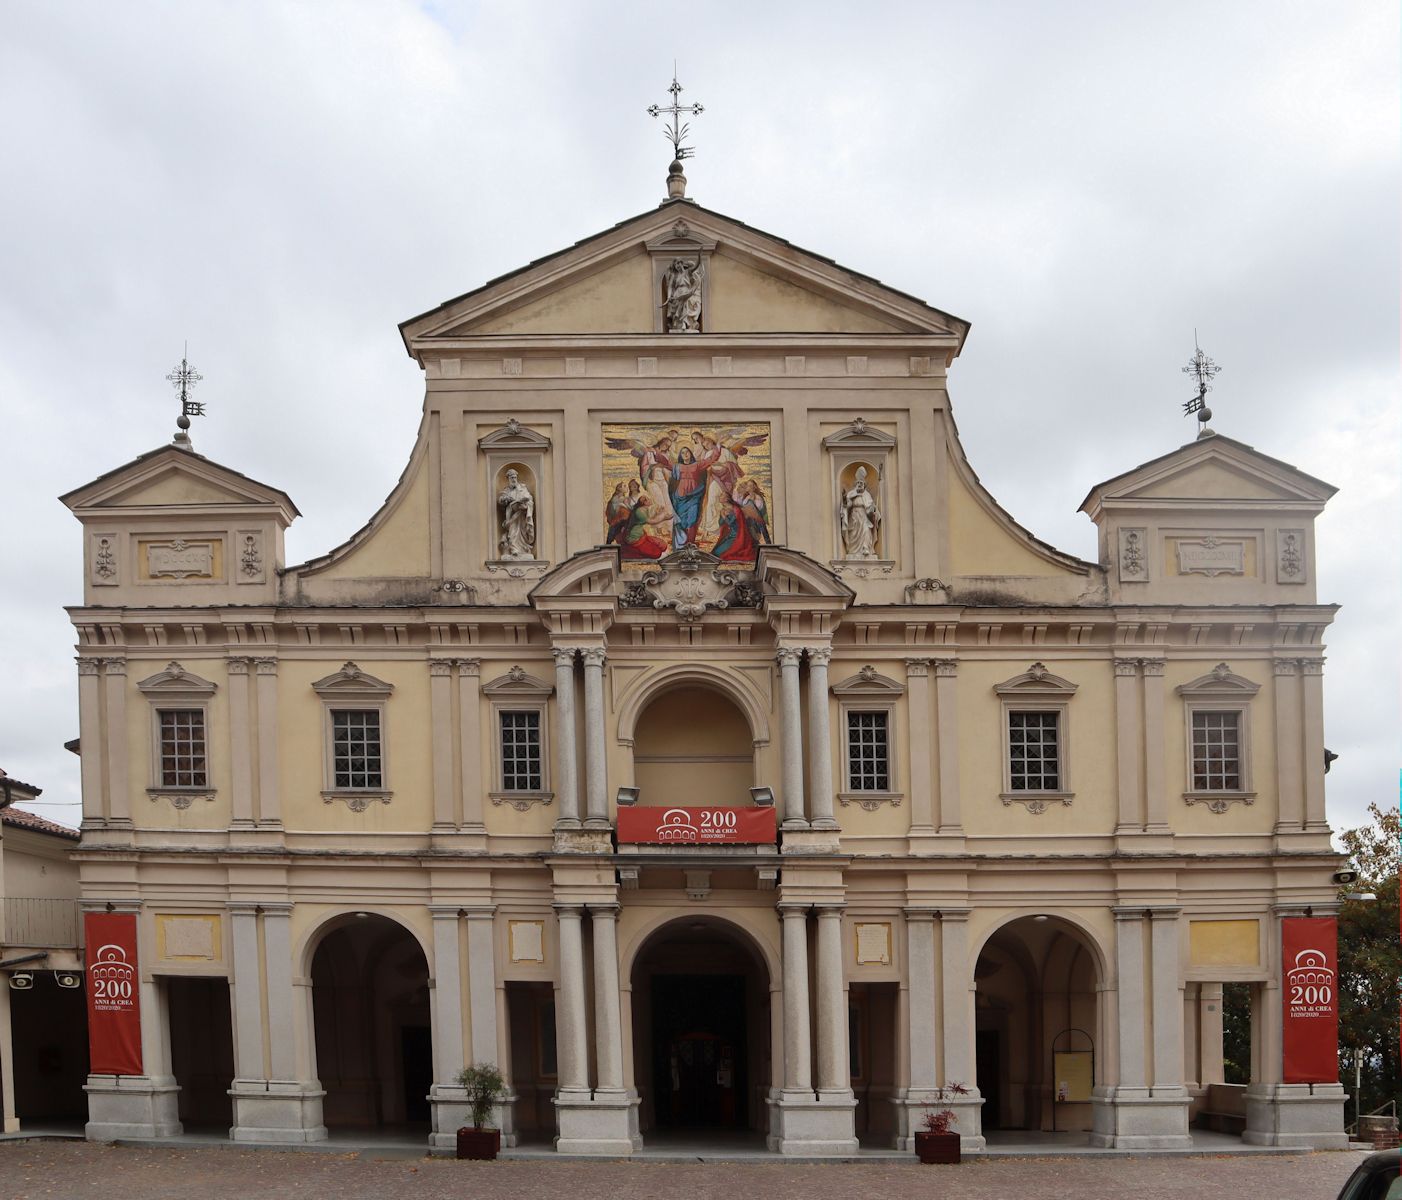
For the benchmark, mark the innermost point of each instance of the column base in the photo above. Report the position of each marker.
(132, 1106)
(583, 841)
(1305, 1116)
(1140, 1118)
(451, 1112)
(283, 1111)
(803, 1122)
(600, 1122)
(811, 841)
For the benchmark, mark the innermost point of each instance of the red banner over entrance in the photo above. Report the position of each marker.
(114, 994)
(697, 826)
(1310, 966)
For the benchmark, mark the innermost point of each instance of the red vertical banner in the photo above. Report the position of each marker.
(1310, 993)
(114, 994)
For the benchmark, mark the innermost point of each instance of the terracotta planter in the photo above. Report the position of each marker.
(478, 1143)
(937, 1147)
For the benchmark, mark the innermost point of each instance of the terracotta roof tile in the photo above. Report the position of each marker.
(23, 819)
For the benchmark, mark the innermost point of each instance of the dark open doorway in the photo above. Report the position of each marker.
(202, 1050)
(699, 1051)
(50, 1038)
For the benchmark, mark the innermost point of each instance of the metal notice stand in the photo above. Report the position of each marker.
(1073, 1071)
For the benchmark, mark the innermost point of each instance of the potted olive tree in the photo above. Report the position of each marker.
(485, 1090)
(937, 1142)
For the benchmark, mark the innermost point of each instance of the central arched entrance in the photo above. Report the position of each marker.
(370, 1004)
(1038, 1026)
(702, 1055)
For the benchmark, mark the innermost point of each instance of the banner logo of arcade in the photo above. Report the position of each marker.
(697, 826)
(1310, 985)
(113, 981)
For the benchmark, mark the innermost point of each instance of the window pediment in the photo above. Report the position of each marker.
(870, 684)
(176, 683)
(517, 684)
(513, 436)
(859, 436)
(1221, 682)
(350, 682)
(1036, 681)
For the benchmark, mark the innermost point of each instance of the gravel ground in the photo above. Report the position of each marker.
(99, 1172)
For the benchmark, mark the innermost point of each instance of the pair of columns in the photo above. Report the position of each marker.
(834, 1076)
(573, 1030)
(819, 814)
(566, 740)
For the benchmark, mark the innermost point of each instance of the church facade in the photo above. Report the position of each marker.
(693, 736)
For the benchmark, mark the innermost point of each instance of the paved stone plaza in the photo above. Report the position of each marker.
(57, 1170)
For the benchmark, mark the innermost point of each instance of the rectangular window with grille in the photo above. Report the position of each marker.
(868, 752)
(520, 752)
(357, 755)
(183, 748)
(1034, 751)
(1216, 752)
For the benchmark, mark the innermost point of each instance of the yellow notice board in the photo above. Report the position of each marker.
(1073, 1074)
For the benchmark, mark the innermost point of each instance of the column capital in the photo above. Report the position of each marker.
(574, 910)
(787, 656)
(243, 908)
(440, 668)
(1311, 666)
(594, 656)
(1126, 667)
(87, 666)
(266, 666)
(917, 668)
(480, 912)
(1128, 912)
(920, 914)
(564, 655)
(1152, 666)
(116, 906)
(468, 667)
(1164, 912)
(953, 914)
(114, 666)
(818, 656)
(1284, 666)
(237, 664)
(793, 908)
(607, 909)
(946, 668)
(443, 912)
(830, 908)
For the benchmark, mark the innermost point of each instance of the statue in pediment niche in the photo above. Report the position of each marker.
(681, 289)
(861, 519)
(517, 519)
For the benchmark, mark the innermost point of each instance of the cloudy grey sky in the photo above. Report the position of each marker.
(282, 183)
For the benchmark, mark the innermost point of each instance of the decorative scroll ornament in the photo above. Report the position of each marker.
(1132, 560)
(251, 558)
(690, 581)
(1291, 562)
(105, 562)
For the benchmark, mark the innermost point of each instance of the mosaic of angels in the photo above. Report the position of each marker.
(687, 484)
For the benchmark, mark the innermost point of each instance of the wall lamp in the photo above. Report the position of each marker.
(762, 797)
(627, 797)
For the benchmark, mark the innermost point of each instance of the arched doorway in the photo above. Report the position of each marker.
(693, 746)
(374, 1052)
(702, 1057)
(1038, 1037)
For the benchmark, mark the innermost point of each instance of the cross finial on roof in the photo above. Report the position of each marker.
(184, 377)
(676, 134)
(1204, 370)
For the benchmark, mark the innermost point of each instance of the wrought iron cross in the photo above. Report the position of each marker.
(677, 131)
(184, 377)
(1204, 370)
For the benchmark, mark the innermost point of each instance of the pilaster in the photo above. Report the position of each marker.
(595, 746)
(791, 738)
(93, 759)
(566, 739)
(820, 800)
(949, 812)
(240, 744)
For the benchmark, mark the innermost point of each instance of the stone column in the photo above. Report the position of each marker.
(834, 1075)
(269, 800)
(595, 744)
(791, 727)
(470, 757)
(240, 745)
(1312, 742)
(1127, 747)
(920, 982)
(917, 674)
(950, 816)
(246, 997)
(1167, 1001)
(447, 1100)
(118, 795)
(281, 996)
(1210, 1049)
(9, 1122)
(1155, 785)
(1290, 816)
(798, 1065)
(820, 740)
(440, 698)
(91, 743)
(1130, 998)
(482, 983)
(608, 1015)
(570, 1018)
(566, 745)
(957, 998)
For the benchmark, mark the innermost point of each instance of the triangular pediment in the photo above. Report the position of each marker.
(351, 682)
(176, 682)
(1215, 469)
(606, 284)
(518, 683)
(172, 478)
(870, 683)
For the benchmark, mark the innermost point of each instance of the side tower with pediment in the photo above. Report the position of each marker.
(692, 735)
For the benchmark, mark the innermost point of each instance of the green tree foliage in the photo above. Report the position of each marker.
(1236, 1033)
(1370, 961)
